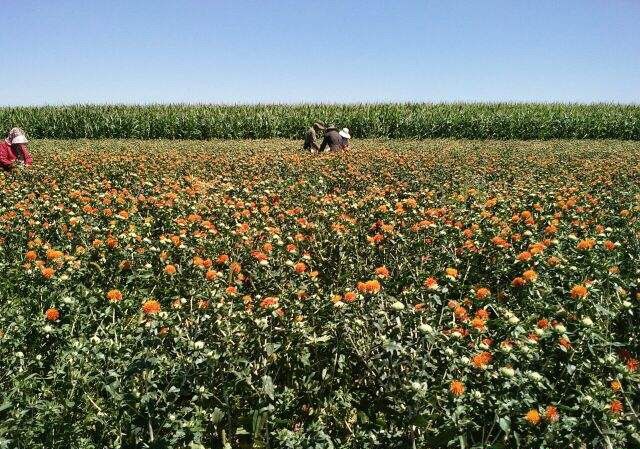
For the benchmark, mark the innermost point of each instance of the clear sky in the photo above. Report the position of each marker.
(239, 51)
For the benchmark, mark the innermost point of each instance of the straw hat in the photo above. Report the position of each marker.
(19, 139)
(345, 133)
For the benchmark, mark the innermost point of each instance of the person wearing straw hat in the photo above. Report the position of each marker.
(344, 133)
(14, 151)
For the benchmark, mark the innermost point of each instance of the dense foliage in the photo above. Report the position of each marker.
(463, 120)
(242, 294)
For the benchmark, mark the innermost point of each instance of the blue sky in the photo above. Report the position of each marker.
(237, 51)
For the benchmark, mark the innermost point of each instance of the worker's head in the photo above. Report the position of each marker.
(19, 142)
(318, 126)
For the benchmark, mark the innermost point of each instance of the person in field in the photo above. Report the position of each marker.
(311, 136)
(344, 133)
(332, 139)
(14, 151)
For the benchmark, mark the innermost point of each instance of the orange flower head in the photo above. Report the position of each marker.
(269, 303)
(151, 306)
(616, 385)
(222, 258)
(170, 270)
(114, 295)
(609, 245)
(451, 273)
(579, 291)
(524, 256)
(210, 275)
(543, 323)
(530, 275)
(456, 388)
(478, 323)
(300, 267)
(533, 417)
(52, 314)
(382, 272)
(586, 244)
(47, 272)
(616, 406)
(31, 256)
(481, 360)
(483, 293)
(551, 413)
(518, 281)
(371, 287)
(431, 283)
(350, 296)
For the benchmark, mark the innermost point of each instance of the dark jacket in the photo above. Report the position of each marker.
(331, 138)
(310, 140)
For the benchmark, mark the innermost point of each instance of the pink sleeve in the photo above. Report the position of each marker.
(5, 156)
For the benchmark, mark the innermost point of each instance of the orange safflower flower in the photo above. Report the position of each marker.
(456, 388)
(518, 281)
(461, 313)
(482, 313)
(47, 272)
(530, 275)
(350, 296)
(53, 254)
(543, 323)
(431, 283)
(499, 241)
(151, 306)
(483, 293)
(382, 272)
(632, 365)
(300, 267)
(533, 417)
(616, 385)
(537, 248)
(259, 255)
(31, 255)
(372, 286)
(170, 270)
(565, 343)
(269, 302)
(235, 267)
(481, 360)
(451, 273)
(210, 275)
(585, 244)
(222, 258)
(616, 406)
(578, 291)
(198, 261)
(114, 295)
(609, 245)
(524, 256)
(551, 413)
(478, 323)
(52, 314)
(231, 290)
(112, 242)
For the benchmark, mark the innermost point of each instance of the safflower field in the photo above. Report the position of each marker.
(243, 294)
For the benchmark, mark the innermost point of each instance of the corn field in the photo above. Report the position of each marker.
(461, 120)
